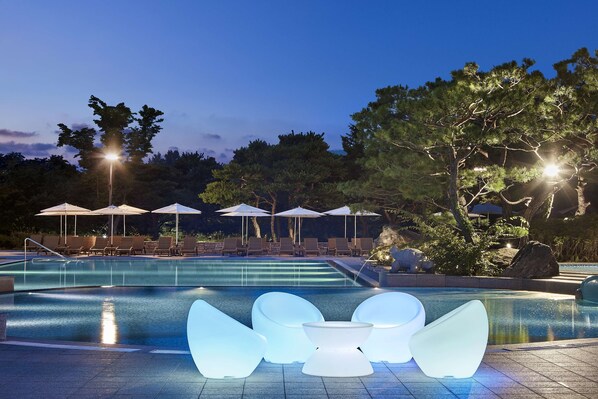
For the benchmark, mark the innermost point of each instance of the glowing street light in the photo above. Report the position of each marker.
(551, 170)
(111, 158)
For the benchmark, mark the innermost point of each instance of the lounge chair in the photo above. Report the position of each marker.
(396, 316)
(310, 246)
(32, 246)
(74, 246)
(51, 242)
(100, 245)
(331, 246)
(364, 246)
(230, 246)
(164, 246)
(220, 346)
(88, 243)
(138, 245)
(453, 345)
(62, 245)
(255, 247)
(125, 247)
(279, 317)
(342, 247)
(286, 246)
(189, 246)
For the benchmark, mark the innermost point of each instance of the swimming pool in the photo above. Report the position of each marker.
(585, 268)
(156, 316)
(83, 272)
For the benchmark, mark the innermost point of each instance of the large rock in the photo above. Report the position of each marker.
(409, 259)
(535, 260)
(503, 257)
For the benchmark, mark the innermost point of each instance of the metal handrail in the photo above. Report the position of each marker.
(44, 247)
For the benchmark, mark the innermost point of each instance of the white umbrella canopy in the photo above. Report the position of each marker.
(65, 210)
(346, 211)
(299, 213)
(138, 211)
(241, 208)
(177, 209)
(243, 215)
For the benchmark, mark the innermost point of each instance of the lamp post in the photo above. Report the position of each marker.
(110, 157)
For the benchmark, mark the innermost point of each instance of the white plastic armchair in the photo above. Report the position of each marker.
(453, 345)
(222, 347)
(396, 316)
(279, 317)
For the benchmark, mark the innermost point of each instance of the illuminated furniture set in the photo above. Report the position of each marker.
(387, 327)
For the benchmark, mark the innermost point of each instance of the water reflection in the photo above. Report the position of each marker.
(108, 326)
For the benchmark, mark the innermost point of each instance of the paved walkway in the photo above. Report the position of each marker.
(550, 370)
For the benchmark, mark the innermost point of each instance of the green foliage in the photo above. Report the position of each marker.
(571, 239)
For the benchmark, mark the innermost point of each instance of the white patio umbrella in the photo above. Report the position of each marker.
(138, 211)
(247, 211)
(65, 210)
(177, 209)
(299, 213)
(346, 211)
(113, 210)
(243, 215)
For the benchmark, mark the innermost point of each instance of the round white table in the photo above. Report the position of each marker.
(337, 354)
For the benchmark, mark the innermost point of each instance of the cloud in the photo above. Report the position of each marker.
(210, 136)
(39, 150)
(16, 133)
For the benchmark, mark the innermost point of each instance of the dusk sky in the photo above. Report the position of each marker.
(227, 72)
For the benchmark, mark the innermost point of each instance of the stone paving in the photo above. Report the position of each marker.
(568, 369)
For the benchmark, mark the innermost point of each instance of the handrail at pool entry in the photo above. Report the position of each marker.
(44, 247)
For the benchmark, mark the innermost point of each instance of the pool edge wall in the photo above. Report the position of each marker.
(509, 283)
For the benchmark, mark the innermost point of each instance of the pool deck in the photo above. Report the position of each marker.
(566, 369)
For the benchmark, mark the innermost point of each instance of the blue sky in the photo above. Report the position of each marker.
(227, 72)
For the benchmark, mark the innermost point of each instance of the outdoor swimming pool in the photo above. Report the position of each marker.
(46, 273)
(586, 268)
(157, 316)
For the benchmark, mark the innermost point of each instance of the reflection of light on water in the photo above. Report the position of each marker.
(109, 330)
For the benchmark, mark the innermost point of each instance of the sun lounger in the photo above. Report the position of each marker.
(125, 247)
(189, 246)
(310, 247)
(88, 243)
(74, 246)
(342, 247)
(32, 246)
(286, 246)
(331, 246)
(63, 246)
(230, 246)
(164, 246)
(100, 245)
(364, 246)
(138, 245)
(255, 247)
(50, 242)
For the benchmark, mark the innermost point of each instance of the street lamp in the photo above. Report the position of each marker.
(110, 157)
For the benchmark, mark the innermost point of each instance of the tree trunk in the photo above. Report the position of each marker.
(534, 206)
(256, 226)
(272, 225)
(582, 204)
(457, 210)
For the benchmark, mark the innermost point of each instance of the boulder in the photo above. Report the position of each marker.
(409, 259)
(534, 260)
(503, 257)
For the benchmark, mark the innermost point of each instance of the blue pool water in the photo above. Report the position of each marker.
(586, 268)
(83, 272)
(157, 315)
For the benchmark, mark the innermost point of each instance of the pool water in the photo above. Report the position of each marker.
(585, 268)
(157, 316)
(83, 272)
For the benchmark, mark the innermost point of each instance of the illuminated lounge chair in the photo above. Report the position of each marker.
(310, 246)
(342, 247)
(189, 246)
(75, 246)
(88, 243)
(286, 246)
(453, 345)
(125, 247)
(62, 245)
(331, 246)
(222, 347)
(396, 316)
(230, 246)
(364, 246)
(50, 242)
(255, 247)
(99, 246)
(279, 317)
(164, 246)
(138, 245)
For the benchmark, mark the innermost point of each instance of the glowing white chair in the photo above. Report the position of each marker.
(453, 345)
(279, 317)
(396, 316)
(222, 347)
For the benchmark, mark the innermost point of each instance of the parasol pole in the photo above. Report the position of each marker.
(177, 230)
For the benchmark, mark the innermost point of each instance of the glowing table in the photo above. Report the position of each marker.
(337, 354)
